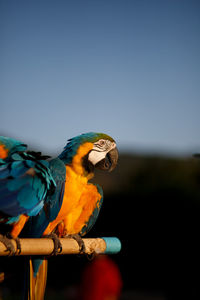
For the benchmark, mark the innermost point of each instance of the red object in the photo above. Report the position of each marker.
(101, 280)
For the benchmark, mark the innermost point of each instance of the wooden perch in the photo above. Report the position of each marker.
(45, 246)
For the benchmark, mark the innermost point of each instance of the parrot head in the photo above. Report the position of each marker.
(97, 150)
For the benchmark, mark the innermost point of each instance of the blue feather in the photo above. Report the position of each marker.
(4, 172)
(21, 193)
(37, 224)
(17, 169)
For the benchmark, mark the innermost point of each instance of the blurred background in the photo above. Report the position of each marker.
(130, 69)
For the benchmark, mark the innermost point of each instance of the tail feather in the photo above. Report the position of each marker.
(36, 283)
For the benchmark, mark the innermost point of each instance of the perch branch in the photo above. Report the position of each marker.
(45, 246)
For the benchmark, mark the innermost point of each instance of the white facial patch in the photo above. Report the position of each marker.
(98, 154)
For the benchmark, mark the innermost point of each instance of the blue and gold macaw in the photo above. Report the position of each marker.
(25, 184)
(72, 208)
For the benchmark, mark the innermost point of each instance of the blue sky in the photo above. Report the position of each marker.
(127, 68)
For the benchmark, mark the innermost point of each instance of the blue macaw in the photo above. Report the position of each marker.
(72, 208)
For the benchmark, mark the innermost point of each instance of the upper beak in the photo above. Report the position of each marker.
(110, 161)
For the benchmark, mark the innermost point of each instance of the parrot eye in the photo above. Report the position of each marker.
(102, 143)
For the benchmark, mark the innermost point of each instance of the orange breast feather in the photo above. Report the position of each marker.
(17, 227)
(3, 152)
(80, 198)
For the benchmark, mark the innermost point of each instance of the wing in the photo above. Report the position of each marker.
(25, 180)
(9, 146)
(86, 228)
(37, 225)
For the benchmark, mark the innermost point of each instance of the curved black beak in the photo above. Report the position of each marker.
(109, 162)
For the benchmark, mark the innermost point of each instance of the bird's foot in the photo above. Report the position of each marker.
(82, 248)
(18, 244)
(6, 240)
(79, 240)
(92, 255)
(57, 244)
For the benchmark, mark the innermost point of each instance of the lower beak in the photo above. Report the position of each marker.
(109, 162)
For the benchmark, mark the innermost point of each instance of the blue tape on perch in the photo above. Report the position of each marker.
(113, 245)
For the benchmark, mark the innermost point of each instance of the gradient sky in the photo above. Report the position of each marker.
(127, 68)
